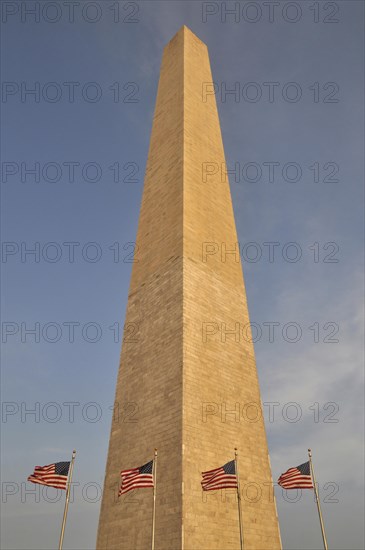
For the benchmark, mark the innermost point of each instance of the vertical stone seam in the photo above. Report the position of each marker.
(183, 287)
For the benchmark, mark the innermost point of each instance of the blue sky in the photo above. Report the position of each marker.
(313, 197)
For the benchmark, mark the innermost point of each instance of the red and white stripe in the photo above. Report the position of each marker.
(45, 475)
(218, 479)
(294, 479)
(133, 479)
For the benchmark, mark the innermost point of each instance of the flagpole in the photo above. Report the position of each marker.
(238, 497)
(154, 500)
(67, 500)
(317, 500)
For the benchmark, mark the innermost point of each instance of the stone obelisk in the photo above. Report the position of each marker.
(187, 381)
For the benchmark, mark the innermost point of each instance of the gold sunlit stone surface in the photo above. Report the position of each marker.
(173, 373)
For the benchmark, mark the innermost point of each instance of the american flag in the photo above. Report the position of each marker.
(53, 475)
(220, 478)
(136, 478)
(297, 478)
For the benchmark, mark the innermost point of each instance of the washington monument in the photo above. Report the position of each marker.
(186, 371)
